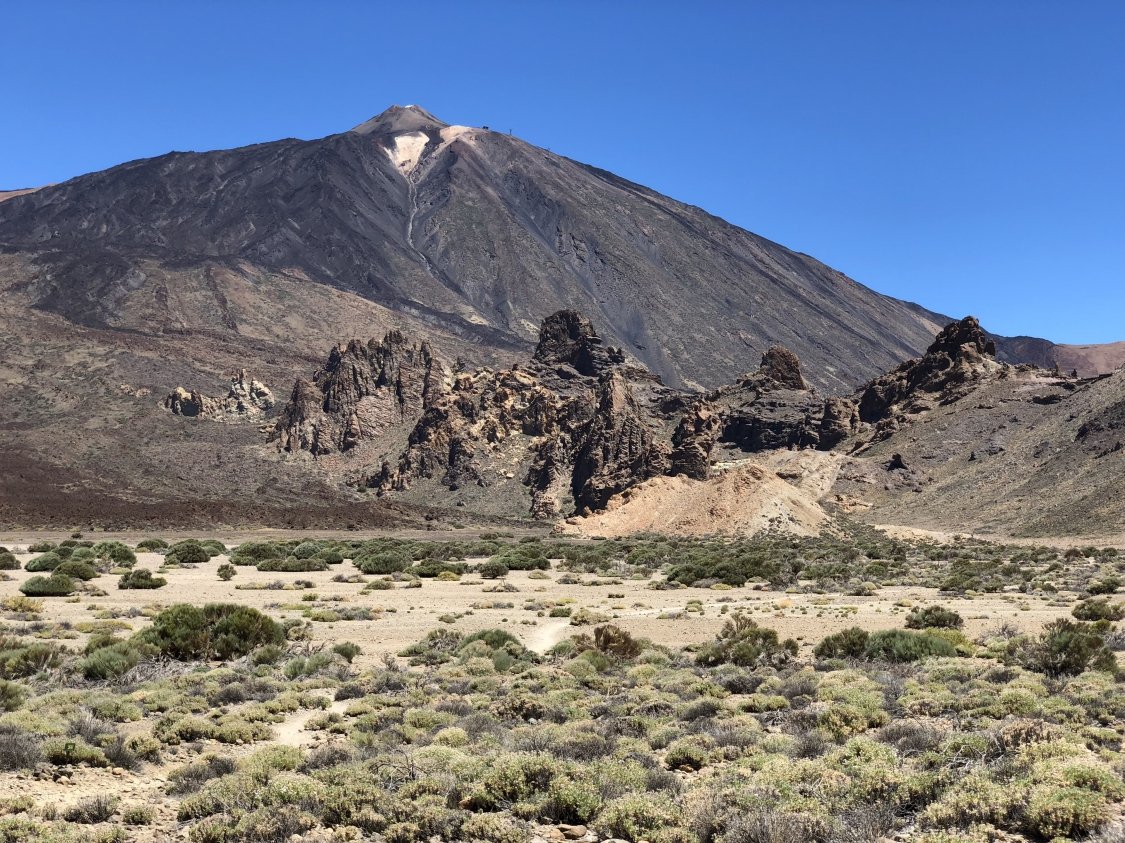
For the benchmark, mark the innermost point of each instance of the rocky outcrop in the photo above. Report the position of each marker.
(246, 400)
(184, 403)
(363, 390)
(575, 426)
(573, 410)
(247, 396)
(770, 408)
(839, 421)
(694, 439)
(615, 450)
(781, 367)
(960, 354)
(568, 339)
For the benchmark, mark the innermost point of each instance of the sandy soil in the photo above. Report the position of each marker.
(405, 615)
(902, 531)
(744, 498)
(11, 194)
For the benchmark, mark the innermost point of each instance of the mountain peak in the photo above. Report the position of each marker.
(398, 119)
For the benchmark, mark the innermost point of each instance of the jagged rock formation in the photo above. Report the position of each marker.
(570, 429)
(767, 409)
(959, 353)
(246, 400)
(362, 391)
(567, 426)
(959, 440)
(568, 340)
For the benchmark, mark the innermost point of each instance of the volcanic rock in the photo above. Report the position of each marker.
(961, 353)
(247, 399)
(363, 390)
(472, 234)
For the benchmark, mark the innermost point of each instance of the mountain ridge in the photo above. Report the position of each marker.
(121, 287)
(484, 236)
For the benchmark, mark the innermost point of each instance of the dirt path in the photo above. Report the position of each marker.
(292, 732)
(548, 635)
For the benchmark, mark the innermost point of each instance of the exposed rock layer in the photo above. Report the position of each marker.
(573, 427)
(246, 400)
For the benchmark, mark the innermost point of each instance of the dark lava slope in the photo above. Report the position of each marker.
(475, 233)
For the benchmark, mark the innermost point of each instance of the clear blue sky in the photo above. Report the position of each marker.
(966, 155)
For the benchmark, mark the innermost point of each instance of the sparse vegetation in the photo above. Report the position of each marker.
(931, 725)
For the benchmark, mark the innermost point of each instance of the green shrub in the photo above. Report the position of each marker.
(1107, 585)
(95, 809)
(191, 777)
(268, 654)
(114, 660)
(118, 555)
(848, 644)
(77, 570)
(934, 617)
(306, 550)
(73, 750)
(8, 561)
(432, 568)
(226, 571)
(742, 642)
(1098, 609)
(492, 828)
(41, 547)
(382, 563)
(19, 659)
(19, 748)
(614, 641)
(898, 645)
(218, 630)
(492, 569)
(1064, 648)
(347, 650)
(292, 564)
(573, 799)
(47, 562)
(53, 586)
(138, 815)
(152, 545)
(12, 695)
(1066, 812)
(187, 552)
(141, 578)
(637, 816)
(687, 754)
(251, 553)
(310, 666)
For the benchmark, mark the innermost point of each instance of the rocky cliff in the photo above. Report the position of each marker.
(559, 434)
